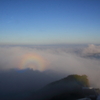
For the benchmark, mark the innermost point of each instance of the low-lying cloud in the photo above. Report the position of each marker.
(91, 49)
(60, 59)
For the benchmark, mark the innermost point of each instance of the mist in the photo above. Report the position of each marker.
(45, 64)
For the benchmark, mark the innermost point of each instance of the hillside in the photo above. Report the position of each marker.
(66, 88)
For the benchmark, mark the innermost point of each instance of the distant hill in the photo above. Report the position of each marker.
(66, 88)
(80, 79)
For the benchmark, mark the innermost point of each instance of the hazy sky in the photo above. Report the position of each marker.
(49, 21)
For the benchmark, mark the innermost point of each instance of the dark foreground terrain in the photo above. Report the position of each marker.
(70, 88)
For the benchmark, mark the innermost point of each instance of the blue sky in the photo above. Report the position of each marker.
(49, 21)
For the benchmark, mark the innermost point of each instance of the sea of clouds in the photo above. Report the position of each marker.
(62, 59)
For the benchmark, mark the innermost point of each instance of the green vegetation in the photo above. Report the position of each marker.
(82, 79)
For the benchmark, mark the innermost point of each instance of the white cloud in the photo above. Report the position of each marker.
(57, 59)
(92, 49)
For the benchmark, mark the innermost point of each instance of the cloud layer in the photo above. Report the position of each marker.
(61, 59)
(91, 49)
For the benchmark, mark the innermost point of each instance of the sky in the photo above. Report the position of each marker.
(49, 21)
